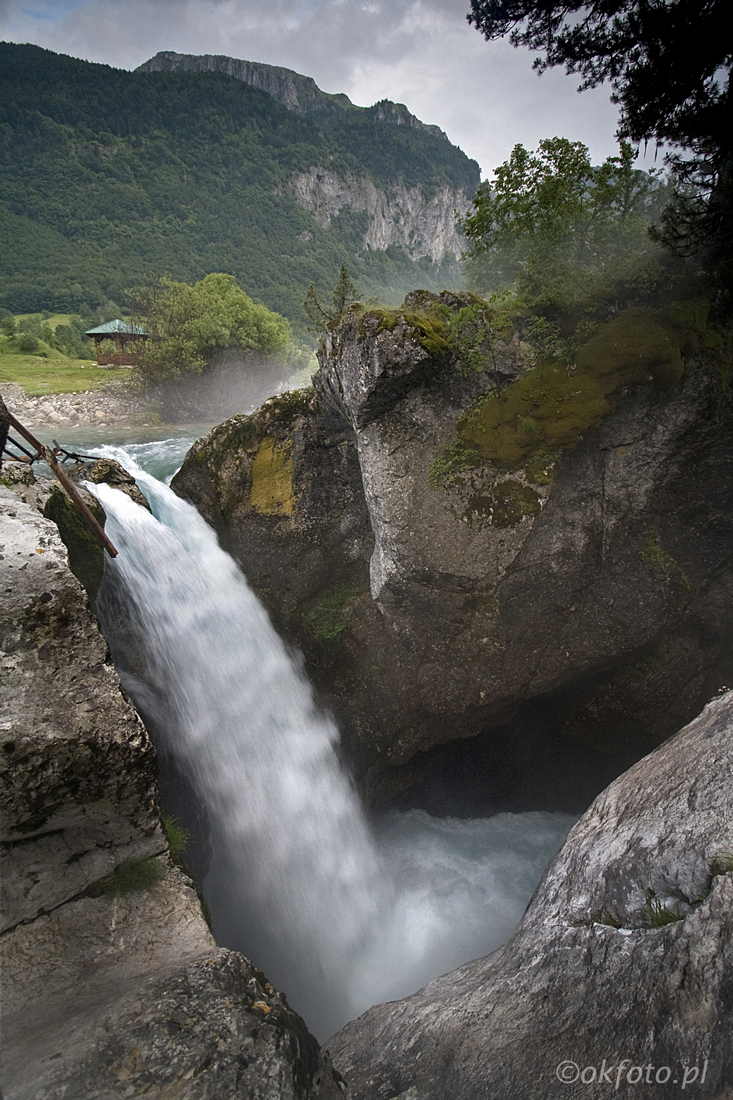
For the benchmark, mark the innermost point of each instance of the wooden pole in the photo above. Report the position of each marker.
(69, 486)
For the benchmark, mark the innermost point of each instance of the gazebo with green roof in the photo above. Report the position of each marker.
(123, 334)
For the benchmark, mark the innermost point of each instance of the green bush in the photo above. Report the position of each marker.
(188, 325)
(27, 343)
(178, 837)
(133, 876)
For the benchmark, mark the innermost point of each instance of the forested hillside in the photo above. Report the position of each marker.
(109, 178)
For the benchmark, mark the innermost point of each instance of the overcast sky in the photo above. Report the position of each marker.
(485, 96)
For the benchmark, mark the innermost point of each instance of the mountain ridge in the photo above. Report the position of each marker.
(298, 92)
(110, 177)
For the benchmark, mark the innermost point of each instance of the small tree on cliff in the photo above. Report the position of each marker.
(189, 325)
(343, 295)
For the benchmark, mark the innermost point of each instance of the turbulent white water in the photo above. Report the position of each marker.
(339, 914)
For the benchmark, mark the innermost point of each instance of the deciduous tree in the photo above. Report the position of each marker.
(189, 325)
(554, 226)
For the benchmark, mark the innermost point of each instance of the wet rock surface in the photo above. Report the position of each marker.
(112, 983)
(618, 979)
(109, 472)
(596, 589)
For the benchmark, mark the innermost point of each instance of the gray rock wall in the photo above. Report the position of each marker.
(606, 602)
(594, 995)
(299, 93)
(397, 216)
(107, 990)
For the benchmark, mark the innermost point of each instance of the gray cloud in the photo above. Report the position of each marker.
(419, 52)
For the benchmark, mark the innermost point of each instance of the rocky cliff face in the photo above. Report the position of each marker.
(397, 215)
(112, 983)
(424, 225)
(619, 978)
(590, 586)
(299, 93)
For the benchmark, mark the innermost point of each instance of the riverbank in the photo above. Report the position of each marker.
(111, 406)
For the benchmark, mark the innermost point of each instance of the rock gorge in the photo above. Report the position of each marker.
(620, 975)
(522, 627)
(570, 606)
(622, 962)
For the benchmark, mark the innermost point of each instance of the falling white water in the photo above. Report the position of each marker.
(338, 915)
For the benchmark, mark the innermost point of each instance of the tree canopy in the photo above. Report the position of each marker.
(668, 60)
(668, 63)
(188, 325)
(554, 226)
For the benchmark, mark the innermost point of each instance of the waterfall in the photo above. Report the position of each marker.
(338, 914)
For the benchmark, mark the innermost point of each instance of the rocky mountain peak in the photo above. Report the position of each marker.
(298, 93)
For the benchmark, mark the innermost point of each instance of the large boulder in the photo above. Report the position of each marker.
(112, 983)
(619, 978)
(588, 582)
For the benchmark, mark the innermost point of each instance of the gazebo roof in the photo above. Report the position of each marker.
(112, 328)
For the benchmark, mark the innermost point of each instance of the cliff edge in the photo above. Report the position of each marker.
(480, 553)
(111, 982)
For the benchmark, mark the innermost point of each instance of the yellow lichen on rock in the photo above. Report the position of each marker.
(272, 480)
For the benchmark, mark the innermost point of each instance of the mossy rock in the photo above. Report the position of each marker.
(429, 327)
(86, 555)
(326, 619)
(108, 471)
(132, 876)
(507, 504)
(656, 557)
(245, 431)
(632, 348)
(16, 473)
(552, 407)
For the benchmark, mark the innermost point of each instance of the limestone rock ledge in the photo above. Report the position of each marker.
(624, 958)
(107, 993)
(588, 589)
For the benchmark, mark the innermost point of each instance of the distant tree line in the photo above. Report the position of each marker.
(27, 335)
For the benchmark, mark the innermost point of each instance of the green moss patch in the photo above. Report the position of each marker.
(86, 556)
(507, 503)
(552, 407)
(430, 327)
(656, 557)
(326, 619)
(539, 470)
(245, 431)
